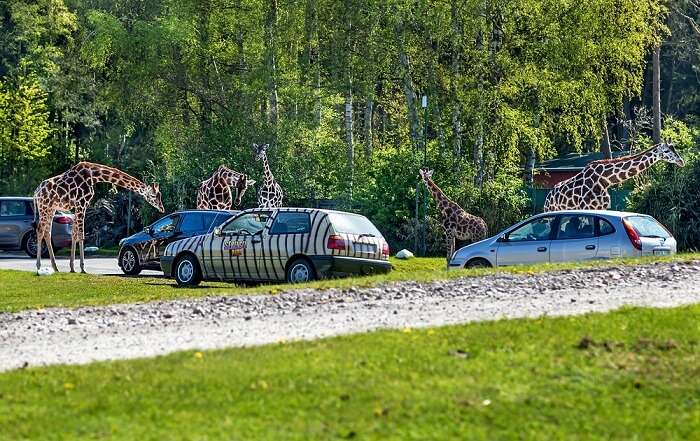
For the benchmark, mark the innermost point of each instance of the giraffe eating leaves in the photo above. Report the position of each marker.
(588, 190)
(215, 193)
(457, 223)
(73, 191)
(270, 195)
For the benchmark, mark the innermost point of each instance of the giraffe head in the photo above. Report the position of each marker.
(242, 185)
(260, 151)
(668, 153)
(425, 173)
(152, 195)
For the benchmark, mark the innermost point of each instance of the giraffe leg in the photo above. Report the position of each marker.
(82, 256)
(39, 239)
(450, 248)
(72, 253)
(49, 245)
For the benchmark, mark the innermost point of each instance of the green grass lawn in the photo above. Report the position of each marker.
(630, 374)
(25, 290)
(111, 251)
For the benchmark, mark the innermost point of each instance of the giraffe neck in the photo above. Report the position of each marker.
(619, 170)
(227, 175)
(269, 178)
(441, 198)
(102, 173)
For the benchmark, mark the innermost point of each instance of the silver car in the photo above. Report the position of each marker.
(566, 236)
(17, 226)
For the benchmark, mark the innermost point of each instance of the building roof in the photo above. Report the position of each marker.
(574, 161)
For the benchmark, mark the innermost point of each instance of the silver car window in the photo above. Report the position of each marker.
(537, 229)
(249, 223)
(13, 208)
(576, 227)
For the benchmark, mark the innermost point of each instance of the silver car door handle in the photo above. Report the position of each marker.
(541, 249)
(590, 247)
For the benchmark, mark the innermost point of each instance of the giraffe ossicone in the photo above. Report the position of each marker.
(588, 189)
(457, 223)
(73, 191)
(215, 193)
(270, 194)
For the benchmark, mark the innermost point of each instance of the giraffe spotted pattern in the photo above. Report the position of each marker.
(270, 195)
(588, 190)
(215, 193)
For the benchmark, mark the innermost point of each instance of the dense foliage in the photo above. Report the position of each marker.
(169, 89)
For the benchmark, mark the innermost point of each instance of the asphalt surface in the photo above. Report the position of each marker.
(93, 264)
(83, 335)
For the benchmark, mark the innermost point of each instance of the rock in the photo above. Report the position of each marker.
(404, 254)
(44, 272)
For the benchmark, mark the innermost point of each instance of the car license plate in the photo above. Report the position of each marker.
(662, 252)
(365, 248)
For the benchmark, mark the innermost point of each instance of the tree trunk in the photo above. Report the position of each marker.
(369, 116)
(656, 95)
(456, 70)
(349, 136)
(313, 71)
(605, 140)
(270, 60)
(409, 90)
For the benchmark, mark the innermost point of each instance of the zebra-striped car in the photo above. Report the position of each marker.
(276, 244)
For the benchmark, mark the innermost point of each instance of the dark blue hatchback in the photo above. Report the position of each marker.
(143, 250)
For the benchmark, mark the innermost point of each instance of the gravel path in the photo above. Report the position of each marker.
(83, 335)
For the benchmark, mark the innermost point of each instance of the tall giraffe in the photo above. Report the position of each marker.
(270, 195)
(74, 190)
(215, 192)
(588, 190)
(457, 223)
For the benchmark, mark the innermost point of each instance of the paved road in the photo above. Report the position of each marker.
(93, 265)
(89, 334)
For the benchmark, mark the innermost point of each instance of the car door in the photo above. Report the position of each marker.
(163, 232)
(14, 221)
(527, 244)
(289, 234)
(575, 239)
(233, 253)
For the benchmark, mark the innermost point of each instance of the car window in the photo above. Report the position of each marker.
(647, 226)
(249, 223)
(13, 208)
(605, 227)
(576, 227)
(289, 222)
(192, 222)
(165, 225)
(537, 229)
(349, 223)
(213, 220)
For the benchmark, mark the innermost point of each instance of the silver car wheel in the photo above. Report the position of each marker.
(128, 260)
(299, 273)
(185, 271)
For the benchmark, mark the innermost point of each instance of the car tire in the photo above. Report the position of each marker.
(129, 262)
(187, 272)
(478, 263)
(300, 270)
(29, 246)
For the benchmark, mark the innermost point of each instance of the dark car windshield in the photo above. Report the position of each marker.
(353, 224)
(647, 226)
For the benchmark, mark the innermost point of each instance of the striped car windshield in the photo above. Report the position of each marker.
(352, 224)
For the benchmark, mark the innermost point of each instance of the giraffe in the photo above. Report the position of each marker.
(215, 192)
(457, 223)
(588, 190)
(74, 190)
(270, 195)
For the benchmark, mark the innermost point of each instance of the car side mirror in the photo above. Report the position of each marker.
(503, 238)
(217, 231)
(148, 231)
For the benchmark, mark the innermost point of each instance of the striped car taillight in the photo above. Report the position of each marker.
(65, 220)
(633, 235)
(385, 249)
(335, 242)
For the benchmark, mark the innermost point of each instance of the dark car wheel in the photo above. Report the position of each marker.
(187, 272)
(129, 262)
(478, 263)
(29, 246)
(300, 270)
